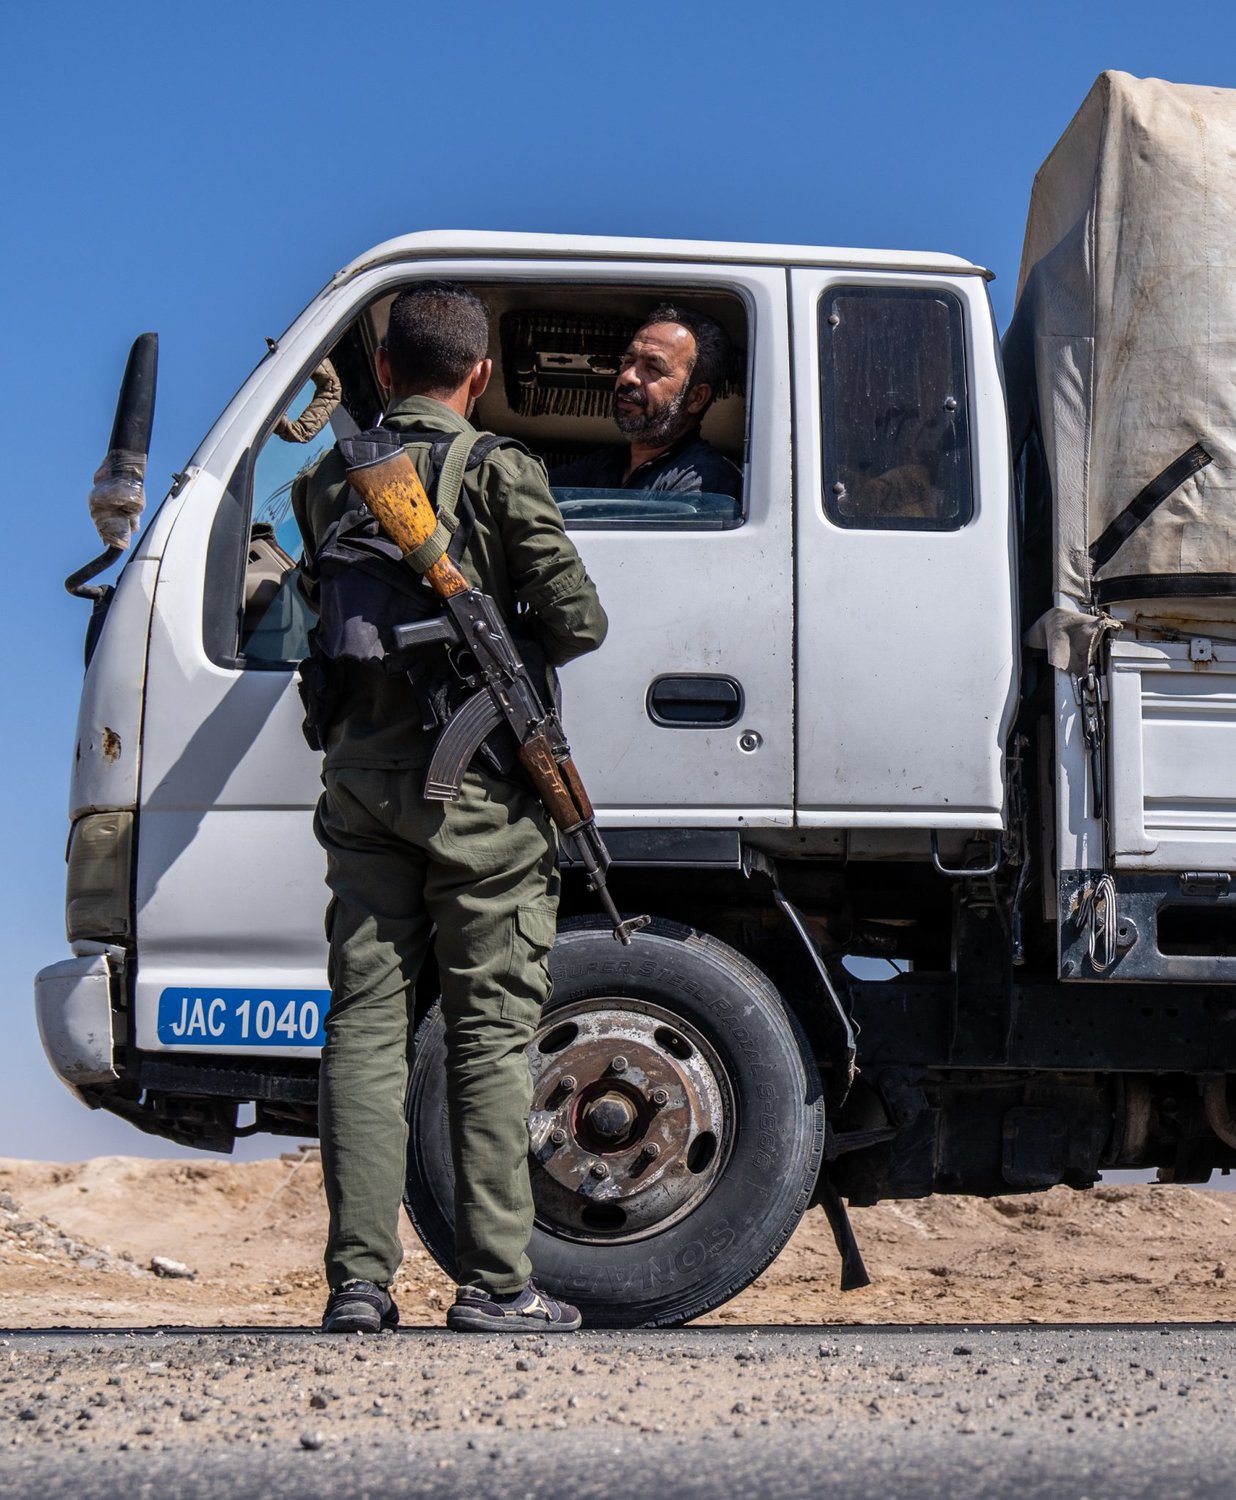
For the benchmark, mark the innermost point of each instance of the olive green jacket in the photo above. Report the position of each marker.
(518, 552)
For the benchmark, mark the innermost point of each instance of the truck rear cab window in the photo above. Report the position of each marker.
(895, 421)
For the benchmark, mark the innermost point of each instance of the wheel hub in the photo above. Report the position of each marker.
(610, 1120)
(629, 1119)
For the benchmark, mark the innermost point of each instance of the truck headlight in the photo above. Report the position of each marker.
(98, 901)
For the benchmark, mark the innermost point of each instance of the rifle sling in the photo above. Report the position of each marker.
(450, 484)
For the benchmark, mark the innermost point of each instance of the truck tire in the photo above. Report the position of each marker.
(676, 1132)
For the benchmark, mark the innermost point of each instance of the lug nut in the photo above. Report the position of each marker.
(558, 1136)
(618, 1064)
(567, 1083)
(599, 1169)
(660, 1098)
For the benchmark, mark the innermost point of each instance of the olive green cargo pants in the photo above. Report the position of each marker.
(483, 872)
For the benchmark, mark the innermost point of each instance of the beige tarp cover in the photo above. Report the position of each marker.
(1123, 344)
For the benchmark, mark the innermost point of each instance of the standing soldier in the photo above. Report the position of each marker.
(479, 875)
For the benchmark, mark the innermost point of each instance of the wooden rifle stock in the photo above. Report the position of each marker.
(393, 491)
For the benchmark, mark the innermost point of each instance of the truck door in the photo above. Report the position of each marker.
(906, 655)
(683, 718)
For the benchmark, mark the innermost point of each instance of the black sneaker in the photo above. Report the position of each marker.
(359, 1307)
(528, 1311)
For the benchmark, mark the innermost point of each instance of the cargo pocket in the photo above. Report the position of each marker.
(528, 982)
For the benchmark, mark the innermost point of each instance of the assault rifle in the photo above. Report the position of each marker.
(391, 488)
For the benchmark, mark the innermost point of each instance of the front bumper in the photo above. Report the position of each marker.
(73, 1004)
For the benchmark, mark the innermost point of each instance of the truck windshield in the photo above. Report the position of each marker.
(276, 619)
(278, 464)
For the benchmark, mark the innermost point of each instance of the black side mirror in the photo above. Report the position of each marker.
(118, 495)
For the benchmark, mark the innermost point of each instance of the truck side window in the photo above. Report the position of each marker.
(894, 409)
(561, 350)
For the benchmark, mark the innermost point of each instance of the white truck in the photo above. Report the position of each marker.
(953, 686)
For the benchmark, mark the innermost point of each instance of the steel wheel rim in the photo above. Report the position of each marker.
(632, 1120)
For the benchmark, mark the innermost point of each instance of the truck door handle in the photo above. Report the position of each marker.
(694, 702)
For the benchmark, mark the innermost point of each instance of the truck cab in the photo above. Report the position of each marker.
(817, 756)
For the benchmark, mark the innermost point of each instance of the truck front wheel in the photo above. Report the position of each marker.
(676, 1132)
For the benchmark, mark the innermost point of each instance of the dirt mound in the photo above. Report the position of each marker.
(1111, 1254)
(250, 1234)
(25, 1240)
(77, 1244)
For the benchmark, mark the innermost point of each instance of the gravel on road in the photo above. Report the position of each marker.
(1052, 1412)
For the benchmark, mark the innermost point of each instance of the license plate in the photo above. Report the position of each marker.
(242, 1018)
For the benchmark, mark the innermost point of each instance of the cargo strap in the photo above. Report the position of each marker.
(1097, 911)
(1089, 695)
(1145, 503)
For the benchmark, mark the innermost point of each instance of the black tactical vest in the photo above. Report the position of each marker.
(366, 589)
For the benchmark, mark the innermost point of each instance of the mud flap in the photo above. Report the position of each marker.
(853, 1271)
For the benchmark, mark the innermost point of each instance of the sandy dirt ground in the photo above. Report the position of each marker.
(77, 1243)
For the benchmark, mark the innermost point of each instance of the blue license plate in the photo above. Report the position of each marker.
(242, 1018)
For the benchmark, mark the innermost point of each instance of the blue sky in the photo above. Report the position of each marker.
(202, 171)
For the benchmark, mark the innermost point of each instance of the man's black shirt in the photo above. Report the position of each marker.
(690, 466)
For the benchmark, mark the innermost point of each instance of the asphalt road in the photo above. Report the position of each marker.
(896, 1413)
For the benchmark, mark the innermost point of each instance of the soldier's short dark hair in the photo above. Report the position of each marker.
(438, 331)
(714, 353)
